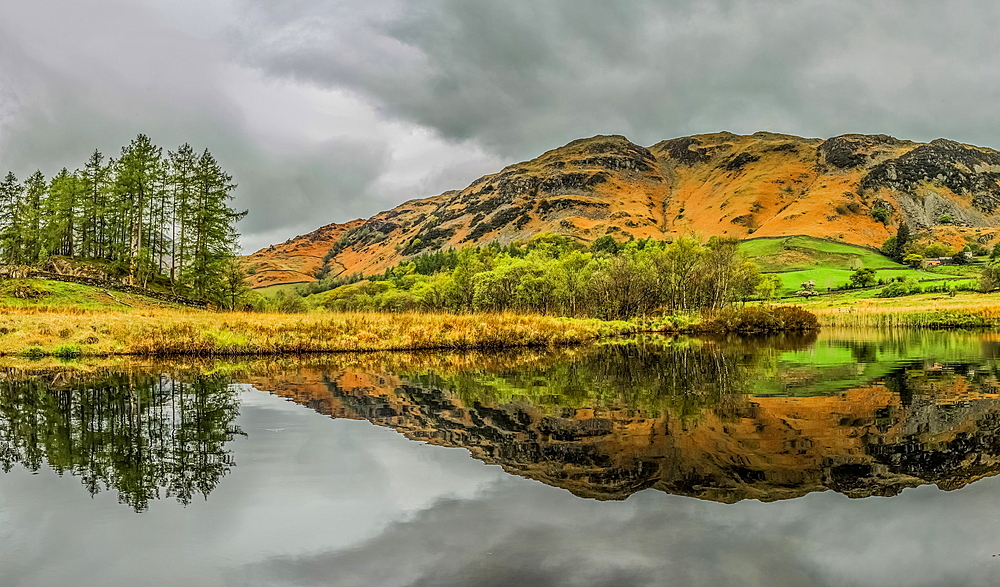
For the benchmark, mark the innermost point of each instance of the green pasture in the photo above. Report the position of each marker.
(816, 254)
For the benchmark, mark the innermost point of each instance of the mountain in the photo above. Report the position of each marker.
(852, 188)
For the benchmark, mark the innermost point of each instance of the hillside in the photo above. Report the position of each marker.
(297, 259)
(724, 184)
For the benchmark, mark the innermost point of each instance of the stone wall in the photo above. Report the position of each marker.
(116, 286)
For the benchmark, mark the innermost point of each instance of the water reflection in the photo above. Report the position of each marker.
(723, 419)
(684, 417)
(142, 435)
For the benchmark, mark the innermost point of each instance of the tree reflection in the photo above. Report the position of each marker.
(139, 434)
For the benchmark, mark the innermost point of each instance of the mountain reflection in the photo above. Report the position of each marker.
(139, 434)
(608, 421)
(720, 419)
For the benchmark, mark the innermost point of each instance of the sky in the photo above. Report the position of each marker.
(329, 110)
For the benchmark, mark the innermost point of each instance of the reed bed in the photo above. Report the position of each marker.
(886, 318)
(163, 332)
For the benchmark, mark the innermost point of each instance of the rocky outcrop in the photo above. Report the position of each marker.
(765, 184)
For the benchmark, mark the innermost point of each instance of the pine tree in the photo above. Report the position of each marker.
(147, 216)
(60, 215)
(30, 212)
(92, 224)
(137, 171)
(11, 196)
(214, 238)
(182, 187)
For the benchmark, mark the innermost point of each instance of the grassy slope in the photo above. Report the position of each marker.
(55, 295)
(798, 259)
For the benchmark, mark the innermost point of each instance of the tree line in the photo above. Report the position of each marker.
(149, 216)
(557, 275)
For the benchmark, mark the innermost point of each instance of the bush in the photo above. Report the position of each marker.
(900, 288)
(761, 319)
(880, 213)
(863, 278)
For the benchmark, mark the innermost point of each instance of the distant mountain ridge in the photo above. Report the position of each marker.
(852, 188)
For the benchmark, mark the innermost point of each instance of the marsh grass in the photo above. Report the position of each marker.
(883, 318)
(70, 332)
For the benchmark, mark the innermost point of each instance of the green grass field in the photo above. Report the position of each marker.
(798, 259)
(806, 252)
(285, 287)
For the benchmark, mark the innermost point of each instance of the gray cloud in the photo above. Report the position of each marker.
(326, 110)
(76, 77)
(522, 77)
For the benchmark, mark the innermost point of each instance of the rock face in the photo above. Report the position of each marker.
(864, 441)
(764, 184)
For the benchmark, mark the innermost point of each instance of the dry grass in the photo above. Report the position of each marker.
(163, 332)
(978, 312)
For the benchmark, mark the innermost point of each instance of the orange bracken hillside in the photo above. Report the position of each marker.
(298, 259)
(763, 184)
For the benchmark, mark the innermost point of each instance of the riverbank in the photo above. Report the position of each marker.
(168, 332)
(156, 332)
(941, 311)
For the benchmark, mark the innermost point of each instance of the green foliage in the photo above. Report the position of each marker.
(908, 286)
(863, 278)
(945, 219)
(881, 214)
(768, 287)
(995, 253)
(977, 249)
(556, 275)
(139, 434)
(67, 351)
(932, 250)
(914, 260)
(989, 280)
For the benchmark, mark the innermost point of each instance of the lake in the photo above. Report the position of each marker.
(838, 459)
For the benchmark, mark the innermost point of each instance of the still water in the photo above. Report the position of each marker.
(851, 458)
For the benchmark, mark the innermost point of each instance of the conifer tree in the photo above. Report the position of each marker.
(29, 218)
(147, 216)
(92, 225)
(11, 195)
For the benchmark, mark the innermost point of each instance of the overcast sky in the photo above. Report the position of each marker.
(328, 110)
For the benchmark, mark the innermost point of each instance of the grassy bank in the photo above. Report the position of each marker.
(154, 332)
(161, 332)
(970, 310)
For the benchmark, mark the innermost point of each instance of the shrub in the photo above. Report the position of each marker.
(863, 278)
(880, 213)
(761, 319)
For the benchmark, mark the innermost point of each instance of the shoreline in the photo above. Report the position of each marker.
(69, 333)
(150, 332)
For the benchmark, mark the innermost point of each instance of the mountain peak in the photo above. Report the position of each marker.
(764, 184)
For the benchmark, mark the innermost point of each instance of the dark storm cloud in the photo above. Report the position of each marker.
(524, 76)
